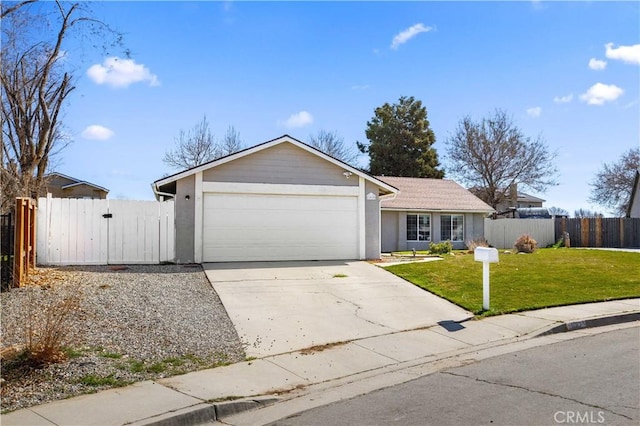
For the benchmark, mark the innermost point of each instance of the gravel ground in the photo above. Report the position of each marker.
(133, 323)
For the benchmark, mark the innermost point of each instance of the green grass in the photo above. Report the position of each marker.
(112, 355)
(136, 366)
(340, 275)
(158, 367)
(95, 380)
(174, 361)
(548, 277)
(173, 365)
(72, 353)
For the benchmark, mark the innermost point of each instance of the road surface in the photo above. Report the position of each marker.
(589, 380)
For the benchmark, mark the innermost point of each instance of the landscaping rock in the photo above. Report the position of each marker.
(139, 323)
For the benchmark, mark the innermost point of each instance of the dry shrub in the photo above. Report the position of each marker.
(476, 242)
(47, 324)
(525, 244)
(49, 330)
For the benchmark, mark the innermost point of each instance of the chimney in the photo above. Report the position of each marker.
(513, 195)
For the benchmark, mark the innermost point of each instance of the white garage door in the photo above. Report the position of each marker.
(255, 227)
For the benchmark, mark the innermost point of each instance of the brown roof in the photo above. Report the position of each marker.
(432, 194)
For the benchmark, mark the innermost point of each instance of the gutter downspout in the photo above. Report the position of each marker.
(159, 194)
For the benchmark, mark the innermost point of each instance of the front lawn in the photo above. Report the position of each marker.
(548, 277)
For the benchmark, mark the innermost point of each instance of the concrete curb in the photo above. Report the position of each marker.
(213, 412)
(207, 412)
(590, 323)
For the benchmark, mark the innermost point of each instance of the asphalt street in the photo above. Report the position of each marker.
(589, 380)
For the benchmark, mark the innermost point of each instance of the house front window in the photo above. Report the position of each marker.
(418, 227)
(452, 227)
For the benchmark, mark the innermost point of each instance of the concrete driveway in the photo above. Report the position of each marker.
(280, 307)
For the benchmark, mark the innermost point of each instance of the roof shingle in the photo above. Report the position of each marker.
(432, 194)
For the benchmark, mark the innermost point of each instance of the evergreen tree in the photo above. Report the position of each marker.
(400, 141)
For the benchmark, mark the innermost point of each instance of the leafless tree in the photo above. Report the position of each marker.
(231, 141)
(8, 9)
(492, 154)
(198, 146)
(558, 211)
(192, 148)
(36, 81)
(332, 144)
(586, 213)
(612, 185)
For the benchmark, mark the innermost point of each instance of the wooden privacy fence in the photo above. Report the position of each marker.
(503, 233)
(24, 251)
(614, 232)
(100, 232)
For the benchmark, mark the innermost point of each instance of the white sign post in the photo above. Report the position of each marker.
(485, 255)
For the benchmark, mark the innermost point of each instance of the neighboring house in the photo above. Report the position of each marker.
(63, 186)
(430, 210)
(280, 200)
(633, 209)
(521, 200)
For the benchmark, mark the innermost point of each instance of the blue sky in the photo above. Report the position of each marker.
(569, 71)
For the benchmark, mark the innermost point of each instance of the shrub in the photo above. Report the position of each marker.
(558, 244)
(442, 247)
(43, 326)
(48, 329)
(525, 244)
(476, 242)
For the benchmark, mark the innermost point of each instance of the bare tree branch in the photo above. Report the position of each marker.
(612, 185)
(198, 146)
(7, 10)
(193, 148)
(332, 144)
(492, 154)
(36, 82)
(231, 141)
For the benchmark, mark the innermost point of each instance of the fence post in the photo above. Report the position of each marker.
(622, 232)
(584, 231)
(32, 233)
(598, 231)
(24, 247)
(18, 252)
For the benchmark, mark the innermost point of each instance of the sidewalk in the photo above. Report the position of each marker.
(206, 395)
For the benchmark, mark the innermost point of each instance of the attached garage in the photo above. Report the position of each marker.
(281, 200)
(247, 226)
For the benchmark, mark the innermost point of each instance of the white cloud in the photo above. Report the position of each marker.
(360, 87)
(596, 64)
(406, 35)
(563, 99)
(628, 54)
(534, 111)
(97, 132)
(299, 119)
(600, 93)
(118, 72)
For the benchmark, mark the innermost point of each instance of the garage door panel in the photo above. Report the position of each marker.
(243, 227)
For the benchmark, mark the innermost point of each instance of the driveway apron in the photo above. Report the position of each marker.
(279, 307)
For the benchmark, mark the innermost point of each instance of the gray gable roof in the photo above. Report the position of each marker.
(74, 182)
(432, 194)
(388, 189)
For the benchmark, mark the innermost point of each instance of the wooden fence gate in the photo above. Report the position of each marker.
(100, 232)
